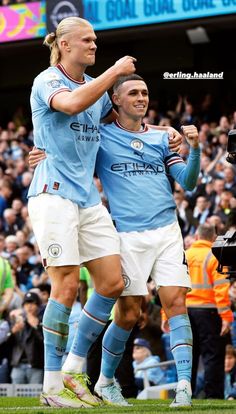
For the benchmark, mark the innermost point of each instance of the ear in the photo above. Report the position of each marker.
(116, 99)
(65, 45)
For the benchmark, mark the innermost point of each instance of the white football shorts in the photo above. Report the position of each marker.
(156, 253)
(68, 234)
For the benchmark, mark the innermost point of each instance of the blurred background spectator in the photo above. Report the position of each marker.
(143, 357)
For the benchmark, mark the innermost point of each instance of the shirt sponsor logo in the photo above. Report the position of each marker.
(87, 132)
(135, 168)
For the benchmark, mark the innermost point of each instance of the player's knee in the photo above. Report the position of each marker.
(177, 305)
(117, 288)
(131, 317)
(128, 317)
(66, 291)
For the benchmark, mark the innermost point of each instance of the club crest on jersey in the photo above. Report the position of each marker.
(127, 281)
(54, 84)
(55, 250)
(137, 144)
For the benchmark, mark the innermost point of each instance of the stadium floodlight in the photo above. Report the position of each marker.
(198, 35)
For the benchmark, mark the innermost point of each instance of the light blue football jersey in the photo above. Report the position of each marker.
(133, 170)
(71, 142)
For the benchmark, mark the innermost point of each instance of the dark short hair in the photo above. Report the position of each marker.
(126, 78)
(206, 232)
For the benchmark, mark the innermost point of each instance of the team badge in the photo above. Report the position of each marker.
(54, 84)
(137, 144)
(127, 281)
(55, 250)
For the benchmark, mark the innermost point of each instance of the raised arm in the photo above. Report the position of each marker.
(81, 98)
(187, 174)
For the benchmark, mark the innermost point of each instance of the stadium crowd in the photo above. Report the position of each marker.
(24, 285)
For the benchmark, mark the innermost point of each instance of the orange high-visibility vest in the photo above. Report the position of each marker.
(210, 289)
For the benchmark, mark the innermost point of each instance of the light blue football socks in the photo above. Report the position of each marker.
(92, 321)
(113, 346)
(181, 341)
(55, 331)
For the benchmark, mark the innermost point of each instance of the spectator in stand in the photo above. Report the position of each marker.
(40, 278)
(230, 179)
(230, 373)
(225, 205)
(202, 209)
(224, 125)
(17, 206)
(10, 225)
(152, 117)
(27, 341)
(25, 270)
(21, 167)
(45, 289)
(25, 183)
(216, 221)
(11, 244)
(6, 285)
(15, 149)
(19, 289)
(143, 357)
(185, 110)
(11, 128)
(18, 293)
(5, 194)
(25, 141)
(22, 237)
(214, 197)
(184, 213)
(2, 245)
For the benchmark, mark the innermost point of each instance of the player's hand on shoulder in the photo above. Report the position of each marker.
(125, 66)
(175, 139)
(191, 134)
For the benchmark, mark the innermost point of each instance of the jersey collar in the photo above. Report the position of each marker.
(144, 128)
(62, 69)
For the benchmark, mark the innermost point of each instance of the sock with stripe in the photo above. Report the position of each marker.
(181, 341)
(55, 332)
(113, 346)
(92, 321)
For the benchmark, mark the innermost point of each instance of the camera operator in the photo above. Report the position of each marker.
(27, 342)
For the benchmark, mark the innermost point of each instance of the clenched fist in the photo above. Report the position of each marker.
(191, 134)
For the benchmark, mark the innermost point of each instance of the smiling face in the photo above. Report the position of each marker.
(131, 98)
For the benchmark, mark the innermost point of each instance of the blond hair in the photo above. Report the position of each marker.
(65, 27)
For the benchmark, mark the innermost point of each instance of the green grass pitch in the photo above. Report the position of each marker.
(23, 405)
